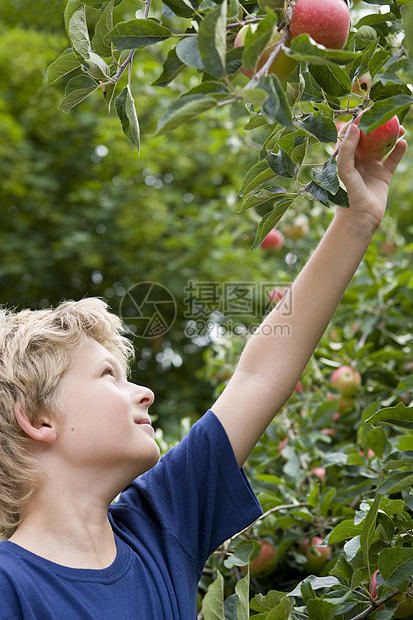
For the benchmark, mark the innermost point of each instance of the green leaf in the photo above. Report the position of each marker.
(318, 193)
(104, 25)
(125, 108)
(318, 125)
(187, 51)
(317, 583)
(295, 90)
(137, 33)
(399, 459)
(389, 89)
(396, 565)
(305, 48)
(378, 61)
(265, 196)
(282, 164)
(383, 111)
(376, 440)
(182, 8)
(71, 7)
(408, 30)
(78, 33)
(212, 42)
(242, 591)
(396, 482)
(369, 526)
(64, 64)
(267, 602)
(343, 531)
(184, 109)
(77, 89)
(319, 609)
(276, 108)
(242, 555)
(396, 416)
(230, 607)
(257, 175)
(332, 79)
(172, 66)
(269, 221)
(213, 602)
(96, 67)
(340, 198)
(327, 176)
(96, 4)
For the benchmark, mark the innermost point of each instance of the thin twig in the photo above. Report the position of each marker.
(375, 605)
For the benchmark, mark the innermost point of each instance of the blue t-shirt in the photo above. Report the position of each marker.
(166, 524)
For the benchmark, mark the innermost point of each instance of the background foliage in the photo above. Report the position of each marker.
(84, 214)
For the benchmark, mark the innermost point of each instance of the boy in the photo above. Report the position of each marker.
(74, 433)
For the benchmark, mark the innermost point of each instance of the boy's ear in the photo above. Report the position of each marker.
(43, 430)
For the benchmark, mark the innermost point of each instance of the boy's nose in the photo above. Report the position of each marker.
(143, 395)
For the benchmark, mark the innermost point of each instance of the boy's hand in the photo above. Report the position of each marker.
(367, 181)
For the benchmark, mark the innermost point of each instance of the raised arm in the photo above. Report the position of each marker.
(274, 358)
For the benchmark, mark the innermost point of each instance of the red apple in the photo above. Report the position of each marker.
(282, 66)
(320, 472)
(299, 387)
(347, 380)
(265, 561)
(379, 142)
(326, 21)
(315, 560)
(273, 241)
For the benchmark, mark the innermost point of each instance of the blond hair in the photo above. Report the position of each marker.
(36, 347)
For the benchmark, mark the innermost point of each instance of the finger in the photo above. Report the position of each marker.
(395, 156)
(402, 131)
(347, 152)
(343, 130)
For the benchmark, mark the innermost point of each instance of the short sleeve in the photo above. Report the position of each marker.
(196, 493)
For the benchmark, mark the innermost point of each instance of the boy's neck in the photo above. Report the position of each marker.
(68, 535)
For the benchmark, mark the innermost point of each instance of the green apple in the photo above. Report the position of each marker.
(326, 21)
(347, 380)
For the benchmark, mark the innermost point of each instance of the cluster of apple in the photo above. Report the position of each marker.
(325, 21)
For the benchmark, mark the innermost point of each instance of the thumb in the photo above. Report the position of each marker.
(347, 152)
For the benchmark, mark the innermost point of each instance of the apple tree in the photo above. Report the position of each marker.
(289, 89)
(333, 472)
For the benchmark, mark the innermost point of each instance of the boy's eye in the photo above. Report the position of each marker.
(108, 371)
